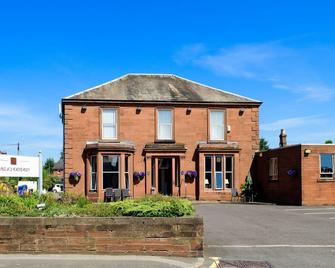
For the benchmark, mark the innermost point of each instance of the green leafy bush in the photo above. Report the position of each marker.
(68, 205)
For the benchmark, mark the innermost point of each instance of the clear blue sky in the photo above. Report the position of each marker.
(282, 54)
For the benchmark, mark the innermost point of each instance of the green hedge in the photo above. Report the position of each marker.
(70, 205)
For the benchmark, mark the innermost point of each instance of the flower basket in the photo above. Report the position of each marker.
(292, 172)
(138, 176)
(190, 175)
(75, 176)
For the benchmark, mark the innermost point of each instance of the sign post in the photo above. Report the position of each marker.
(40, 178)
(23, 167)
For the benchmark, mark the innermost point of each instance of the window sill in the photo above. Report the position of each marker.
(165, 141)
(217, 141)
(326, 180)
(207, 190)
(109, 140)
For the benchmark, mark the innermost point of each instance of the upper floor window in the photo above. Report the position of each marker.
(109, 124)
(164, 124)
(273, 168)
(326, 166)
(216, 125)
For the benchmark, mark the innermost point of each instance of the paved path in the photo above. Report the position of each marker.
(92, 261)
(283, 236)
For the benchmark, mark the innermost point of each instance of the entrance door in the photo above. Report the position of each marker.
(165, 176)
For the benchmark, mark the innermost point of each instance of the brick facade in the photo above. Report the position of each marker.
(190, 128)
(316, 191)
(303, 188)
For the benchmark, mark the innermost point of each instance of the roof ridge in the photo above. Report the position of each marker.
(217, 89)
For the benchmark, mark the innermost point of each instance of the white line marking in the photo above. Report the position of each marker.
(302, 209)
(271, 246)
(319, 213)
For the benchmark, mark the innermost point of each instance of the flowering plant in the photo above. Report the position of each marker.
(139, 175)
(292, 172)
(191, 174)
(75, 175)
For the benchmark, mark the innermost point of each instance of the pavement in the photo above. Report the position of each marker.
(236, 235)
(281, 235)
(92, 261)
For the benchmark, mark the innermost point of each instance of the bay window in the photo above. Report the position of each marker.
(126, 171)
(219, 172)
(93, 181)
(228, 172)
(208, 172)
(109, 124)
(111, 171)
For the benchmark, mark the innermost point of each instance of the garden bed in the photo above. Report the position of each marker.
(72, 206)
(157, 226)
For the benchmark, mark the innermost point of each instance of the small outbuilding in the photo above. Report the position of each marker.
(300, 174)
(58, 169)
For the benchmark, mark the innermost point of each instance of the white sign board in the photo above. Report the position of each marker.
(19, 166)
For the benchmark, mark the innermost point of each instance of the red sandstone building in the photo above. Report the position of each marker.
(300, 174)
(158, 134)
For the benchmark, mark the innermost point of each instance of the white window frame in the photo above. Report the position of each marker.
(216, 125)
(126, 171)
(210, 172)
(93, 172)
(213, 171)
(218, 172)
(109, 124)
(165, 124)
(112, 172)
(229, 172)
(326, 173)
(273, 168)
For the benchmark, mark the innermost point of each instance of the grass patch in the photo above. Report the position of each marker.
(71, 206)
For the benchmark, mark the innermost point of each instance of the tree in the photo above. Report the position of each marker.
(49, 164)
(263, 144)
(328, 142)
(49, 181)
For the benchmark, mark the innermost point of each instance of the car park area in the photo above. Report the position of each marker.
(283, 236)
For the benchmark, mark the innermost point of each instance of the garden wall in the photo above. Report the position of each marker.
(119, 235)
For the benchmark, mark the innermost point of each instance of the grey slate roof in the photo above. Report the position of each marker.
(158, 88)
(59, 165)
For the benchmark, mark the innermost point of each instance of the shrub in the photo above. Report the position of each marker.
(68, 205)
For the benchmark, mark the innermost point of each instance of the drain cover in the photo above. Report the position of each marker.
(243, 264)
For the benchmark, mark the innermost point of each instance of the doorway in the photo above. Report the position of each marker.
(165, 176)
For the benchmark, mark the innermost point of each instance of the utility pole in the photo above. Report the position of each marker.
(13, 144)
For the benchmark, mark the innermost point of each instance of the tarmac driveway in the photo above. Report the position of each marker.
(283, 236)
